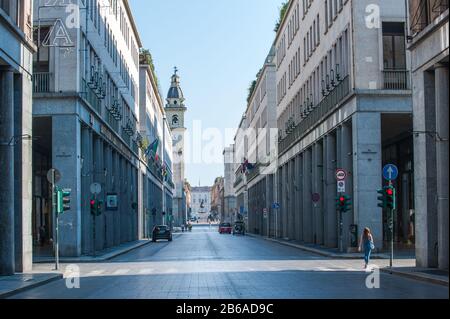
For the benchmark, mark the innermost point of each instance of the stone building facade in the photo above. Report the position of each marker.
(343, 102)
(16, 56)
(429, 46)
(86, 113)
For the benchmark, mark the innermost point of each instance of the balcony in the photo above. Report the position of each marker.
(252, 174)
(396, 80)
(315, 115)
(41, 82)
(90, 96)
(424, 12)
(238, 180)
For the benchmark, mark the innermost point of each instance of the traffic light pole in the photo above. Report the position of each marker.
(341, 231)
(391, 227)
(93, 228)
(55, 213)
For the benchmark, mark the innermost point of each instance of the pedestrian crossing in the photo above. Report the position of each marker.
(231, 268)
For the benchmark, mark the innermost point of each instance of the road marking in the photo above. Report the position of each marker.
(95, 273)
(146, 271)
(171, 270)
(119, 272)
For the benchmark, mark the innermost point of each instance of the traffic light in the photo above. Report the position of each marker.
(343, 203)
(390, 198)
(382, 198)
(386, 198)
(346, 207)
(99, 207)
(63, 200)
(93, 204)
(96, 207)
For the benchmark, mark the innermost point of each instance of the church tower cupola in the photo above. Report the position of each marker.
(175, 97)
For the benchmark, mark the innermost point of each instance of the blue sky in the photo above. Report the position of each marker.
(218, 47)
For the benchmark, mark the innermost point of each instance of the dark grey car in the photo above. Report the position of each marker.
(161, 232)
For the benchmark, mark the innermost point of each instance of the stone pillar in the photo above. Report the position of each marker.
(347, 164)
(307, 203)
(292, 195)
(330, 216)
(116, 189)
(285, 191)
(23, 167)
(98, 175)
(297, 200)
(367, 165)
(109, 215)
(86, 177)
(66, 132)
(300, 212)
(7, 259)
(425, 169)
(318, 188)
(442, 121)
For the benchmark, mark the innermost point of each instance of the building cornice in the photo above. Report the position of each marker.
(133, 23)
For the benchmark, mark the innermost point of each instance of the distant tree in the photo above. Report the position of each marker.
(252, 86)
(283, 10)
(145, 57)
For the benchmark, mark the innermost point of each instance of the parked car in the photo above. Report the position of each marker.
(225, 228)
(239, 228)
(161, 232)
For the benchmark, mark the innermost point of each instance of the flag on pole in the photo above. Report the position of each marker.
(153, 148)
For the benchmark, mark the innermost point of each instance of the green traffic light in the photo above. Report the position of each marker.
(62, 200)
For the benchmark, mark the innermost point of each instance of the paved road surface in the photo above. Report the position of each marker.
(204, 264)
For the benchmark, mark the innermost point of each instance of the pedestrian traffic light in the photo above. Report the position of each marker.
(63, 200)
(390, 197)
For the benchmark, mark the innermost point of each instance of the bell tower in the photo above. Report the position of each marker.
(175, 112)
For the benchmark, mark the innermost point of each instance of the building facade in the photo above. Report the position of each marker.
(229, 197)
(255, 143)
(429, 46)
(217, 199)
(176, 109)
(343, 102)
(16, 56)
(201, 202)
(86, 114)
(155, 173)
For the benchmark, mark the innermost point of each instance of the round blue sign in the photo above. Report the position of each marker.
(390, 172)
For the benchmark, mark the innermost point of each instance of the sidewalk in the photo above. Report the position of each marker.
(434, 276)
(323, 251)
(100, 255)
(11, 285)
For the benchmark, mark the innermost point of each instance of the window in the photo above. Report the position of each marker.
(394, 48)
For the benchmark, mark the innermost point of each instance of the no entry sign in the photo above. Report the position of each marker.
(341, 174)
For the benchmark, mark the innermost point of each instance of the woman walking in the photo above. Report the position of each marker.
(366, 242)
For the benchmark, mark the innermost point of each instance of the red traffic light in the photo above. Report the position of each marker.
(92, 202)
(342, 199)
(390, 191)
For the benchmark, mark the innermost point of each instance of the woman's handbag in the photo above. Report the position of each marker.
(372, 245)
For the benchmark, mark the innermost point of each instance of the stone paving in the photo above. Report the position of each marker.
(206, 265)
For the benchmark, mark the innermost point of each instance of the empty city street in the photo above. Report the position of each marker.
(203, 264)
